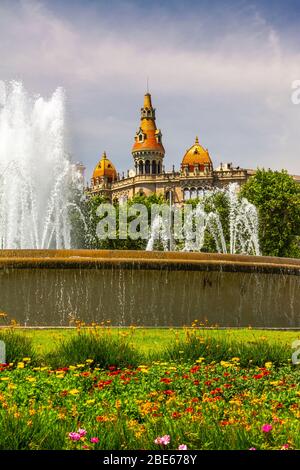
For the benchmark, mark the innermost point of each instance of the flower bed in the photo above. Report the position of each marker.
(159, 405)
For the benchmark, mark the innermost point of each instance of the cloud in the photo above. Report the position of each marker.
(223, 73)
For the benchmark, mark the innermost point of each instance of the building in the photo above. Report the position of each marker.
(195, 176)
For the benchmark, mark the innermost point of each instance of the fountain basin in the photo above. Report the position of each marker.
(54, 287)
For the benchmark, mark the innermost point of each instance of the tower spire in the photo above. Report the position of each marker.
(148, 151)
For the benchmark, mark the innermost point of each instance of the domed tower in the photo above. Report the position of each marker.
(104, 173)
(196, 160)
(148, 151)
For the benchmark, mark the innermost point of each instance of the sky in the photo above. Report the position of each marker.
(222, 70)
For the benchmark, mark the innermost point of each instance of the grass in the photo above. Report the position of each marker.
(147, 340)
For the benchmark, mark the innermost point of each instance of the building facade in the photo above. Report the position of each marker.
(195, 175)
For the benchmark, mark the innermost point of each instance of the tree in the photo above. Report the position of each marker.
(277, 198)
(93, 242)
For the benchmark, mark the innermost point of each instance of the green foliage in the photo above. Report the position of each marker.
(102, 348)
(17, 346)
(213, 348)
(93, 242)
(277, 197)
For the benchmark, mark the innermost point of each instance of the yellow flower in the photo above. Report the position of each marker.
(268, 365)
(89, 361)
(26, 359)
(225, 364)
(80, 366)
(201, 359)
(118, 404)
(60, 376)
(72, 368)
(31, 379)
(20, 365)
(235, 359)
(235, 401)
(90, 402)
(74, 391)
(4, 378)
(275, 383)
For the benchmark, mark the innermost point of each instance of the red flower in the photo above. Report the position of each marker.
(176, 414)
(165, 380)
(258, 376)
(189, 410)
(169, 392)
(208, 383)
(194, 369)
(196, 382)
(103, 383)
(114, 372)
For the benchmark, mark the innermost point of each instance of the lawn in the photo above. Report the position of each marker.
(149, 339)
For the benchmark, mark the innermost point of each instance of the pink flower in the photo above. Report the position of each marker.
(267, 428)
(285, 447)
(81, 432)
(74, 436)
(252, 448)
(182, 447)
(95, 440)
(164, 440)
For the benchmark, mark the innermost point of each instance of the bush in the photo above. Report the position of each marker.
(17, 346)
(214, 348)
(101, 347)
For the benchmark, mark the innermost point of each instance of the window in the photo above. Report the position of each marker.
(140, 137)
(147, 167)
(186, 194)
(193, 193)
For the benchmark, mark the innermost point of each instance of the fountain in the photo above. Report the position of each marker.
(243, 226)
(44, 283)
(34, 170)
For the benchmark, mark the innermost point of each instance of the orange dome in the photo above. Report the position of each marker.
(105, 168)
(196, 155)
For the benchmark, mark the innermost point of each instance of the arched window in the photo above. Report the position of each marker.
(193, 193)
(200, 192)
(154, 167)
(147, 167)
(141, 167)
(140, 137)
(186, 194)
